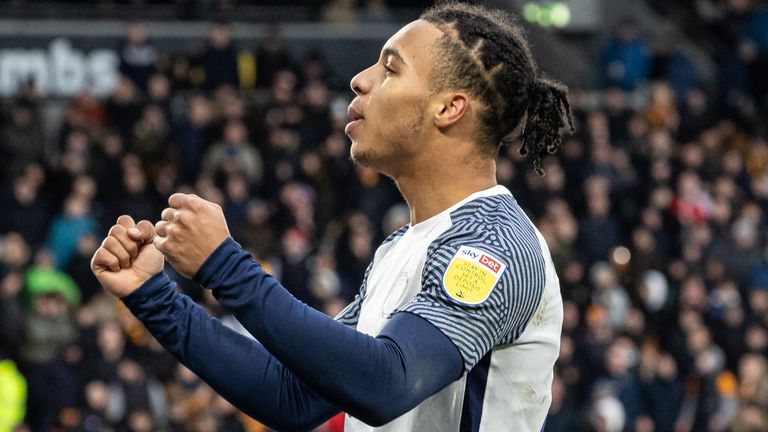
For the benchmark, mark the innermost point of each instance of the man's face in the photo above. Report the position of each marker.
(389, 113)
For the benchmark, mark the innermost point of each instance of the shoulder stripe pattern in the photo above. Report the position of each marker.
(497, 225)
(350, 314)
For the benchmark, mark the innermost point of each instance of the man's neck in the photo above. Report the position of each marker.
(433, 189)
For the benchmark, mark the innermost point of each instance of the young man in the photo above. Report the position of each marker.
(457, 324)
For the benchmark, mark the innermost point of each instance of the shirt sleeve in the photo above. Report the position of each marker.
(237, 367)
(373, 379)
(480, 287)
(351, 314)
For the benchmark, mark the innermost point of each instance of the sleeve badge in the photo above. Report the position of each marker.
(471, 275)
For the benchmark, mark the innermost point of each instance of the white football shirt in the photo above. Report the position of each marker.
(482, 274)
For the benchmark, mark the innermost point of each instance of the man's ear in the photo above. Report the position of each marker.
(451, 108)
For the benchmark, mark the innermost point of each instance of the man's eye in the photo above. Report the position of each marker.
(388, 70)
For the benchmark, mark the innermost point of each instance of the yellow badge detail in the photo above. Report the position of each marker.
(471, 275)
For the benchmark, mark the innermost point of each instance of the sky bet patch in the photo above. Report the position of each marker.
(471, 275)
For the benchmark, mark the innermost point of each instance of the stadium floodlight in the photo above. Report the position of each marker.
(560, 14)
(547, 14)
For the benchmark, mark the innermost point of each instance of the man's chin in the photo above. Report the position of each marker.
(371, 158)
(364, 157)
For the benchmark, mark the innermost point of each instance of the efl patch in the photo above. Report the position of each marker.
(471, 275)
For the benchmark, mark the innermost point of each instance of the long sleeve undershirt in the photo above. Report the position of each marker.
(306, 366)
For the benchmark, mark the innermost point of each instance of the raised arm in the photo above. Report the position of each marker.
(237, 367)
(374, 379)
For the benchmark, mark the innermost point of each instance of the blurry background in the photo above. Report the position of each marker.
(655, 211)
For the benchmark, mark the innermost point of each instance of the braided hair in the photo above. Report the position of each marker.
(485, 53)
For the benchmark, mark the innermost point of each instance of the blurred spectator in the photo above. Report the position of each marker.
(754, 51)
(620, 380)
(24, 210)
(12, 395)
(562, 415)
(340, 11)
(134, 197)
(80, 266)
(14, 258)
(150, 136)
(692, 204)
(110, 349)
(624, 59)
(42, 278)
(137, 55)
(194, 135)
(67, 228)
(139, 398)
(294, 272)
(124, 108)
(376, 11)
(22, 140)
(608, 293)
(607, 414)
(219, 60)
(661, 386)
(271, 56)
(47, 329)
(234, 155)
(599, 232)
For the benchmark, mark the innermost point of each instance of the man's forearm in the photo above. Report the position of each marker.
(373, 379)
(238, 368)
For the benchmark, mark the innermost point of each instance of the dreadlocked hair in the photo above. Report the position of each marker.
(485, 53)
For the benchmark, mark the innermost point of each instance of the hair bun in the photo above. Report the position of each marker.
(548, 110)
(536, 87)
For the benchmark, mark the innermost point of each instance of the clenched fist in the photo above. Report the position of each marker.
(127, 257)
(190, 230)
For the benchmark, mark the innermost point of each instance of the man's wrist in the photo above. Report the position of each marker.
(148, 289)
(211, 271)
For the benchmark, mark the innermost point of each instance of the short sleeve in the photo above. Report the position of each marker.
(351, 314)
(480, 287)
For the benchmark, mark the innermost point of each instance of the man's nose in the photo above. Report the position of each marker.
(361, 83)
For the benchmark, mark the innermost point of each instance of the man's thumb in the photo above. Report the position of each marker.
(143, 232)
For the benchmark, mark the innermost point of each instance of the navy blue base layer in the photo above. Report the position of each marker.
(307, 367)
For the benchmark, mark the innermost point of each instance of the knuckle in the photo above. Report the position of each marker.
(145, 226)
(98, 257)
(117, 230)
(125, 220)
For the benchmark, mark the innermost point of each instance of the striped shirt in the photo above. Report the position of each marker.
(482, 274)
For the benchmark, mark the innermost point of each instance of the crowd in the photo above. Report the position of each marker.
(654, 213)
(204, 10)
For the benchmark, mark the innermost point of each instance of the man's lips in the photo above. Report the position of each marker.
(352, 125)
(354, 113)
(357, 118)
